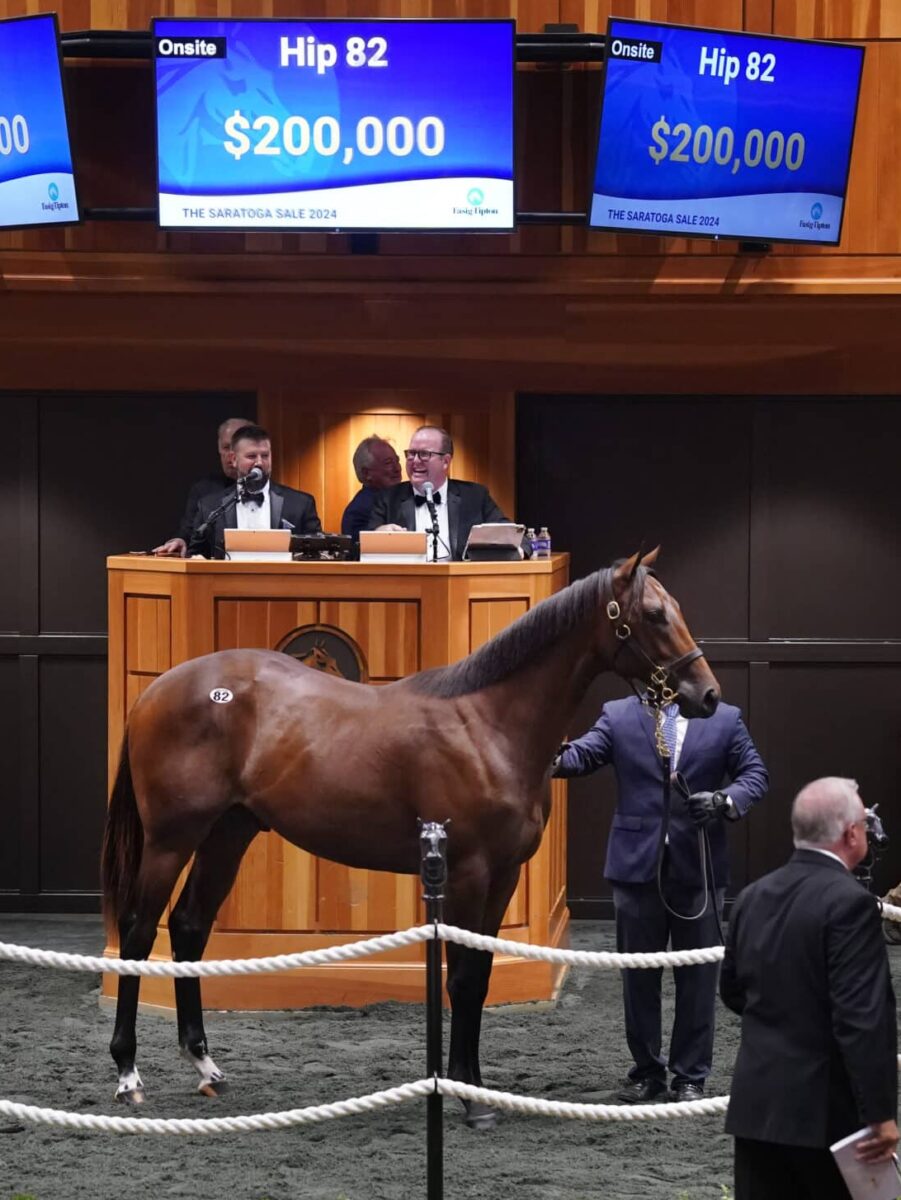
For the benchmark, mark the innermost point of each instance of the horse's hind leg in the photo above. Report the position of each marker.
(213, 872)
(157, 876)
(468, 975)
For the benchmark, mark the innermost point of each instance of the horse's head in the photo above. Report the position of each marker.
(653, 642)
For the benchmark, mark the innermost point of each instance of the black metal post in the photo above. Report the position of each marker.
(433, 872)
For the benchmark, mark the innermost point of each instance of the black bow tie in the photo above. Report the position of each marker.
(436, 498)
(253, 498)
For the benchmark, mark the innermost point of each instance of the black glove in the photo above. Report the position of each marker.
(555, 765)
(704, 807)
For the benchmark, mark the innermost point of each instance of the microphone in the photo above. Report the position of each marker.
(254, 481)
(428, 490)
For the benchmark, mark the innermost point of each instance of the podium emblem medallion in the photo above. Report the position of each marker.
(328, 649)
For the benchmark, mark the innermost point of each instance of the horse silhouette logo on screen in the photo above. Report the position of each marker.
(326, 648)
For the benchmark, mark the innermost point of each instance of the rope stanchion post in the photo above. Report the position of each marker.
(433, 871)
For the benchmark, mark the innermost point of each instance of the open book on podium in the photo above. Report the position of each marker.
(866, 1181)
(393, 546)
(258, 545)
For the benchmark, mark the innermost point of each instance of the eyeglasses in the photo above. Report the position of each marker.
(422, 455)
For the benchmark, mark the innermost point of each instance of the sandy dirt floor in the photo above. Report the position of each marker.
(54, 1037)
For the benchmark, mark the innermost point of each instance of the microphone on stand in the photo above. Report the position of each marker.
(254, 481)
(428, 490)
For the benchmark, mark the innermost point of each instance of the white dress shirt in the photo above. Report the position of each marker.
(254, 516)
(424, 522)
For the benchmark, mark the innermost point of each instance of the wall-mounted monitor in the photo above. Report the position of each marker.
(335, 125)
(719, 134)
(37, 184)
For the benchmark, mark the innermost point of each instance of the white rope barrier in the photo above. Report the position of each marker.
(332, 954)
(528, 1106)
(249, 1124)
(580, 958)
(524, 1105)
(223, 966)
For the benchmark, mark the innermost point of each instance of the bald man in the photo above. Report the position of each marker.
(806, 967)
(213, 485)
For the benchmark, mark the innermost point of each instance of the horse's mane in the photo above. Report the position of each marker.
(526, 638)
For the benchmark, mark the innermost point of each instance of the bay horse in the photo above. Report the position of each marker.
(223, 746)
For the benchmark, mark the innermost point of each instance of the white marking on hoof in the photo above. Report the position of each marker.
(131, 1088)
(212, 1080)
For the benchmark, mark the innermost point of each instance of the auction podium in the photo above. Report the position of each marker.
(403, 619)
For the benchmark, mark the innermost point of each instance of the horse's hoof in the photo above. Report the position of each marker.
(480, 1116)
(131, 1096)
(213, 1087)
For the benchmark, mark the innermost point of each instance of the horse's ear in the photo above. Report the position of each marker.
(650, 558)
(628, 567)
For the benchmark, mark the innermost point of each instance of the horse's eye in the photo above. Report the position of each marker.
(657, 615)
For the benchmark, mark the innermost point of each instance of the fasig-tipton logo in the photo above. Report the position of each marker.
(55, 205)
(816, 211)
(475, 205)
(189, 47)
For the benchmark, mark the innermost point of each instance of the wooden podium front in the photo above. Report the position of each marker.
(404, 619)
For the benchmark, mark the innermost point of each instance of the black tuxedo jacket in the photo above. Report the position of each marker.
(806, 967)
(214, 486)
(288, 508)
(468, 504)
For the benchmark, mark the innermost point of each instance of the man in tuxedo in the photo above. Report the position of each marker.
(806, 968)
(268, 505)
(211, 485)
(641, 843)
(376, 466)
(459, 504)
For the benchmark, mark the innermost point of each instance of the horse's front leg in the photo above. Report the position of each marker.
(468, 976)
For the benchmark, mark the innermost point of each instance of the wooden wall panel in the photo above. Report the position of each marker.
(315, 434)
(489, 617)
(260, 624)
(837, 19)
(592, 15)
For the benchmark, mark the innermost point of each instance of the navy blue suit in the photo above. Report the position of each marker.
(714, 751)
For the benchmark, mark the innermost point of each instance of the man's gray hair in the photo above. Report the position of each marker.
(363, 455)
(823, 809)
(230, 424)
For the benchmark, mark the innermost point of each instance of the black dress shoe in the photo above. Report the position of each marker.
(686, 1091)
(642, 1091)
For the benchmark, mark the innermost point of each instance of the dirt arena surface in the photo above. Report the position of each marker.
(54, 1039)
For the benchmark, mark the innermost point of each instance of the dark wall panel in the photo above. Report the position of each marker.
(73, 789)
(832, 719)
(115, 471)
(14, 773)
(779, 521)
(830, 551)
(608, 474)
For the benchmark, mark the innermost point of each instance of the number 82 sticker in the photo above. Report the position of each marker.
(221, 696)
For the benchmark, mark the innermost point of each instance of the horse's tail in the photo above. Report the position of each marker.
(123, 842)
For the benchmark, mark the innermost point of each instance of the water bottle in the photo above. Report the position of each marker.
(541, 545)
(530, 538)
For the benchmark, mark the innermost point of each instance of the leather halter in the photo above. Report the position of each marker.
(658, 690)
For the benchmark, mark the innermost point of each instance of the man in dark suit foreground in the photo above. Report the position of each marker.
(268, 505)
(651, 917)
(459, 504)
(806, 968)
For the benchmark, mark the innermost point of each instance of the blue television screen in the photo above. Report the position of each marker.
(719, 134)
(37, 184)
(345, 124)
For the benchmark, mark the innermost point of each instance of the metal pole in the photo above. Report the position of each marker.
(433, 872)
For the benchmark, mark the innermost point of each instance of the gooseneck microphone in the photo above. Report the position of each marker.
(428, 490)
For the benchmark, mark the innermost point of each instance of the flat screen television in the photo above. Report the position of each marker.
(37, 183)
(335, 125)
(709, 133)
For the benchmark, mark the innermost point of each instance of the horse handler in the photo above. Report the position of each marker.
(679, 912)
(806, 968)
